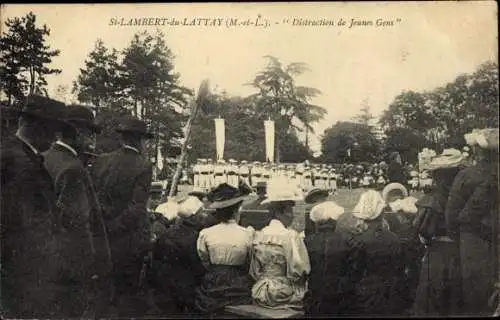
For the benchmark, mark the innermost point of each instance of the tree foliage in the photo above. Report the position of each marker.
(364, 116)
(279, 97)
(97, 82)
(444, 114)
(140, 80)
(342, 136)
(244, 131)
(406, 142)
(25, 58)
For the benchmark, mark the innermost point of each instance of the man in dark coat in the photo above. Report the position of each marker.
(30, 264)
(123, 180)
(395, 172)
(82, 238)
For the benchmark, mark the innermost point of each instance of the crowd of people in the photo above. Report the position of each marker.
(391, 255)
(78, 241)
(207, 174)
(73, 238)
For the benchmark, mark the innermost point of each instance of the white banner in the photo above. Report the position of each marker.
(220, 137)
(269, 129)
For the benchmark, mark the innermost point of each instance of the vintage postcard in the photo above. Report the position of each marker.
(249, 160)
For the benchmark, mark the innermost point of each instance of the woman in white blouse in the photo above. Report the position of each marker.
(224, 251)
(280, 262)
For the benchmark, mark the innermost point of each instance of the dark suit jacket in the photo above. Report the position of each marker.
(29, 266)
(83, 237)
(337, 261)
(180, 270)
(123, 180)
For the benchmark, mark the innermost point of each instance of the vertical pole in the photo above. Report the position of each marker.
(177, 174)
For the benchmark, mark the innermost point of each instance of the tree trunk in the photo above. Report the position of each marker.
(32, 80)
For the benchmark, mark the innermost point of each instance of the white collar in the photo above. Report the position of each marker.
(35, 151)
(276, 224)
(126, 146)
(62, 144)
(230, 221)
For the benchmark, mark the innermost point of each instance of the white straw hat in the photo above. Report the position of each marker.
(325, 211)
(369, 206)
(189, 207)
(450, 158)
(280, 189)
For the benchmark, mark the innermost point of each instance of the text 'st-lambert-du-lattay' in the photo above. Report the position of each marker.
(258, 21)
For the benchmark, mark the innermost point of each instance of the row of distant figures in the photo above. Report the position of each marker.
(208, 182)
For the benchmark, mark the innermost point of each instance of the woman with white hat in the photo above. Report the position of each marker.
(280, 262)
(399, 213)
(472, 220)
(336, 264)
(438, 273)
(378, 291)
(224, 251)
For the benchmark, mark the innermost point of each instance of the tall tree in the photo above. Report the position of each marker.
(98, 81)
(280, 99)
(151, 89)
(406, 142)
(25, 58)
(444, 114)
(365, 116)
(349, 142)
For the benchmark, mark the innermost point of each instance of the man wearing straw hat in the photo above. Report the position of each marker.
(472, 220)
(123, 180)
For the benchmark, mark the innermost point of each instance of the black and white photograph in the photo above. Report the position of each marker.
(250, 160)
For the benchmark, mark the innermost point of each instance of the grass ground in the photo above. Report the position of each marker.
(344, 198)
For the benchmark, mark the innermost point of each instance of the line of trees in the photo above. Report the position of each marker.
(436, 119)
(140, 80)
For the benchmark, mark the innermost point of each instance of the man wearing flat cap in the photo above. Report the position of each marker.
(123, 180)
(82, 235)
(30, 268)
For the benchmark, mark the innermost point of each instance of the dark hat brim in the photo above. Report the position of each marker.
(79, 123)
(226, 203)
(313, 195)
(147, 135)
(39, 116)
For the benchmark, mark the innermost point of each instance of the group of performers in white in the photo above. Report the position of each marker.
(208, 174)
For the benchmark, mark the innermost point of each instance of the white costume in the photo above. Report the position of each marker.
(256, 173)
(220, 173)
(232, 174)
(244, 172)
(307, 179)
(210, 177)
(196, 175)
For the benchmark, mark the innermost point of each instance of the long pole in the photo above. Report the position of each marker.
(195, 107)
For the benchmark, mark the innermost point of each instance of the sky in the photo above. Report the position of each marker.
(426, 45)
